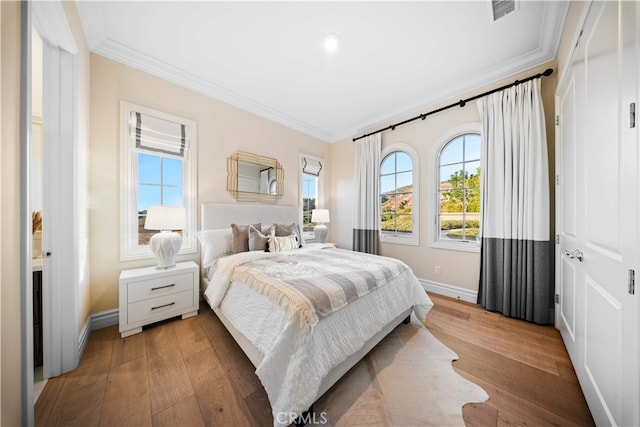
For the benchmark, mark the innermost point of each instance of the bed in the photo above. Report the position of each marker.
(302, 339)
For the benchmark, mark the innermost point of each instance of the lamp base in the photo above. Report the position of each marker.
(165, 246)
(320, 232)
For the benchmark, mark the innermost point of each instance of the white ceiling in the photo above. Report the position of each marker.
(266, 57)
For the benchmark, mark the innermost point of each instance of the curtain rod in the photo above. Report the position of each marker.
(460, 103)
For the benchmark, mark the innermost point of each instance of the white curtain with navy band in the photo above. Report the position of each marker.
(367, 194)
(516, 248)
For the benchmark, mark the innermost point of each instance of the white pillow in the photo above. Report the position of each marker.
(287, 230)
(283, 243)
(214, 244)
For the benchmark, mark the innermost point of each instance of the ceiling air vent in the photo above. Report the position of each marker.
(500, 8)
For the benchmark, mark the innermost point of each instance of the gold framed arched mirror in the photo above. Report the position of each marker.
(254, 178)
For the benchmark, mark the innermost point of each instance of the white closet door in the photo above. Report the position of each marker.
(598, 213)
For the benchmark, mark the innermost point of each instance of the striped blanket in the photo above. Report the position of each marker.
(312, 284)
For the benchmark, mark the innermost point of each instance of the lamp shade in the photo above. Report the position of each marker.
(165, 218)
(320, 215)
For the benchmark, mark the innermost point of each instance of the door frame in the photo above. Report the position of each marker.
(563, 75)
(26, 267)
(60, 333)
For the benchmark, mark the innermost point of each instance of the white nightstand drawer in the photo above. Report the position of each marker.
(151, 288)
(159, 307)
(148, 295)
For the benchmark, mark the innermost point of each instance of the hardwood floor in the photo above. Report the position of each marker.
(191, 373)
(524, 367)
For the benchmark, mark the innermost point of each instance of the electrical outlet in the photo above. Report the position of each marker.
(438, 270)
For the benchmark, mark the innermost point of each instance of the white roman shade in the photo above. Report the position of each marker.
(158, 136)
(311, 166)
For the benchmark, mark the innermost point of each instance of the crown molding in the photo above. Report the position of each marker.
(492, 76)
(125, 55)
(555, 15)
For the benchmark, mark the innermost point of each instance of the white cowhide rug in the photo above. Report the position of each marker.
(407, 380)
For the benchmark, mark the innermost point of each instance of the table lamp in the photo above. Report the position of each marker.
(166, 244)
(321, 218)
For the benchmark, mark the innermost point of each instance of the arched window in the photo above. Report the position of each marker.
(399, 195)
(458, 190)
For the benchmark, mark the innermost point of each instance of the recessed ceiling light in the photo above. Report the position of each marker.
(331, 42)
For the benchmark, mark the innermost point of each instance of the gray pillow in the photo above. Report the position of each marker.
(257, 240)
(287, 230)
(240, 237)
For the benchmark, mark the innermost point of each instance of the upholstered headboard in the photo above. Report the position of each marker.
(222, 215)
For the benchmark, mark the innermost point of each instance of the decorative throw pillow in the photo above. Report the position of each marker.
(287, 230)
(214, 244)
(240, 237)
(283, 243)
(257, 240)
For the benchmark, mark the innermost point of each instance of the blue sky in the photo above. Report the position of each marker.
(309, 186)
(396, 172)
(454, 150)
(159, 181)
(464, 148)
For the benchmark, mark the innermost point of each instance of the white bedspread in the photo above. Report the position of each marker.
(296, 359)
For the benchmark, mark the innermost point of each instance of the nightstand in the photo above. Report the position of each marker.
(148, 295)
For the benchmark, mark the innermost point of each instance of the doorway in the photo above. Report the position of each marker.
(59, 315)
(36, 199)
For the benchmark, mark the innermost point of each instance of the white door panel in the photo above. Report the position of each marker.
(569, 214)
(568, 301)
(567, 107)
(597, 160)
(603, 347)
(601, 142)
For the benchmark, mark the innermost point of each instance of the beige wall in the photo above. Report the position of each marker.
(222, 129)
(10, 337)
(460, 269)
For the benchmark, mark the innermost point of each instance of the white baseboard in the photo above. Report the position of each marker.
(104, 319)
(96, 321)
(84, 337)
(449, 291)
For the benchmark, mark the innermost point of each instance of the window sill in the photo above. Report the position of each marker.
(456, 246)
(308, 238)
(398, 240)
(147, 254)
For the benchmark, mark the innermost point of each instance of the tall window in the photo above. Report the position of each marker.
(459, 189)
(309, 198)
(158, 168)
(160, 182)
(398, 195)
(310, 192)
